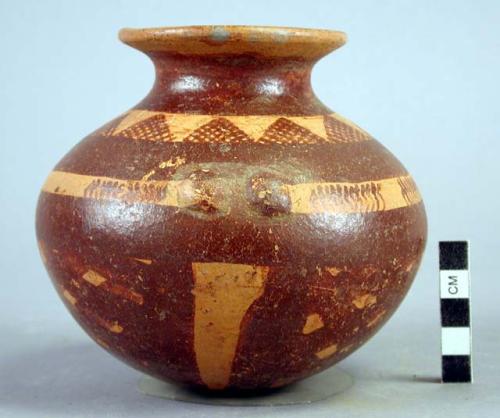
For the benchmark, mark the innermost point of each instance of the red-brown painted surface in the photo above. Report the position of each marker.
(231, 231)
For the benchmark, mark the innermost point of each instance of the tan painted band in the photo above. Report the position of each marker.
(368, 196)
(305, 198)
(150, 125)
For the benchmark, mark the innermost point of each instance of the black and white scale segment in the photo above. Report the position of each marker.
(455, 311)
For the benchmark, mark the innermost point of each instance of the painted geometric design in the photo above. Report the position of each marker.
(306, 198)
(223, 293)
(284, 131)
(262, 129)
(109, 128)
(362, 197)
(218, 130)
(340, 132)
(154, 128)
(408, 189)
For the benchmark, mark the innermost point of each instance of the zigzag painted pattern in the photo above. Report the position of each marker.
(262, 129)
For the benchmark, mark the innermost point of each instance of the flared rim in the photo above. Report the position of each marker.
(276, 41)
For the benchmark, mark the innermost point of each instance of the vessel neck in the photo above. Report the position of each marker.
(232, 84)
(233, 70)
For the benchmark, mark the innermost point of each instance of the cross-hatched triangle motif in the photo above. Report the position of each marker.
(218, 130)
(340, 132)
(284, 131)
(109, 127)
(154, 128)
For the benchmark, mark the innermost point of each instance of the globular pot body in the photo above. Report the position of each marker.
(231, 231)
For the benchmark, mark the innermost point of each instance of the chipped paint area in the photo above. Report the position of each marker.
(334, 271)
(94, 278)
(171, 163)
(282, 381)
(146, 261)
(332, 290)
(126, 293)
(281, 35)
(69, 297)
(115, 327)
(346, 348)
(98, 280)
(313, 323)
(369, 270)
(327, 352)
(364, 301)
(41, 248)
(112, 326)
(410, 266)
(375, 319)
(101, 343)
(220, 34)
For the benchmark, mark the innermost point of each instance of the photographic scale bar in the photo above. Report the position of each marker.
(456, 361)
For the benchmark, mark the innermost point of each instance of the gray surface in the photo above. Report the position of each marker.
(321, 386)
(421, 76)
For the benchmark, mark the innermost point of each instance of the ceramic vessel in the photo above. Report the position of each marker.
(231, 231)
